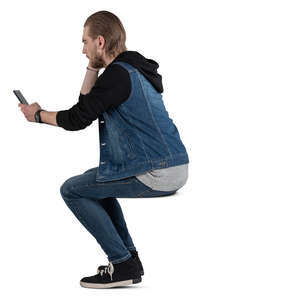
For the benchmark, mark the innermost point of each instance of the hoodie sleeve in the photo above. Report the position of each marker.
(112, 88)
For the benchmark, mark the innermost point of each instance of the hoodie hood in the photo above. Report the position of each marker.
(148, 67)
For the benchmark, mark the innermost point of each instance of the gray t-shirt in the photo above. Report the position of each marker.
(166, 179)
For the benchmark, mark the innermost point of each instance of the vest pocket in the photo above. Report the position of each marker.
(127, 145)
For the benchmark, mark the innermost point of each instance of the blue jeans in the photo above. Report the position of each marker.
(95, 206)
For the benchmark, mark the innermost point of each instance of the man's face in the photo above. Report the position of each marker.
(93, 49)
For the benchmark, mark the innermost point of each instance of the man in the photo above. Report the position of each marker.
(141, 153)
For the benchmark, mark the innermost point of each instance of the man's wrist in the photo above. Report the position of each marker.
(92, 69)
(37, 116)
(48, 117)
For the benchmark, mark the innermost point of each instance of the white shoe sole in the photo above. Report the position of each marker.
(109, 285)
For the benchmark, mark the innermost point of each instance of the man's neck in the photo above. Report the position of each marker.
(108, 61)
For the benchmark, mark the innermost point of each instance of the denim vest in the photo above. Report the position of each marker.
(138, 135)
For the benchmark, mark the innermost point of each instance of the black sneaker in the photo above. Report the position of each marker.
(124, 273)
(135, 256)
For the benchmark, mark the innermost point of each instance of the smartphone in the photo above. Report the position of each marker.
(20, 96)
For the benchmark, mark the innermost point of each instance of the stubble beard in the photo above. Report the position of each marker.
(97, 62)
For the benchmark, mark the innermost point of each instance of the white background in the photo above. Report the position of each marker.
(231, 77)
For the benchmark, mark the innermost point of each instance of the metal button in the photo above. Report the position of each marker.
(103, 144)
(102, 121)
(102, 162)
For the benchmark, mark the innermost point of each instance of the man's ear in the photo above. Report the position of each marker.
(101, 41)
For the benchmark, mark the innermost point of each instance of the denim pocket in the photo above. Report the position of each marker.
(127, 145)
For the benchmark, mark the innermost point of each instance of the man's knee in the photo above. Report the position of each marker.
(91, 170)
(65, 189)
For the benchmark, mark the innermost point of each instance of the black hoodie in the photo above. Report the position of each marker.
(112, 88)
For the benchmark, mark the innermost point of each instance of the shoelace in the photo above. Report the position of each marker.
(108, 269)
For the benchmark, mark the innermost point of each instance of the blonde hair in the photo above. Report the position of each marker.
(110, 27)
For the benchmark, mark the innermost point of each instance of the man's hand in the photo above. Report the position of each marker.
(29, 110)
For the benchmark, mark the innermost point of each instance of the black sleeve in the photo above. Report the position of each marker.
(112, 88)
